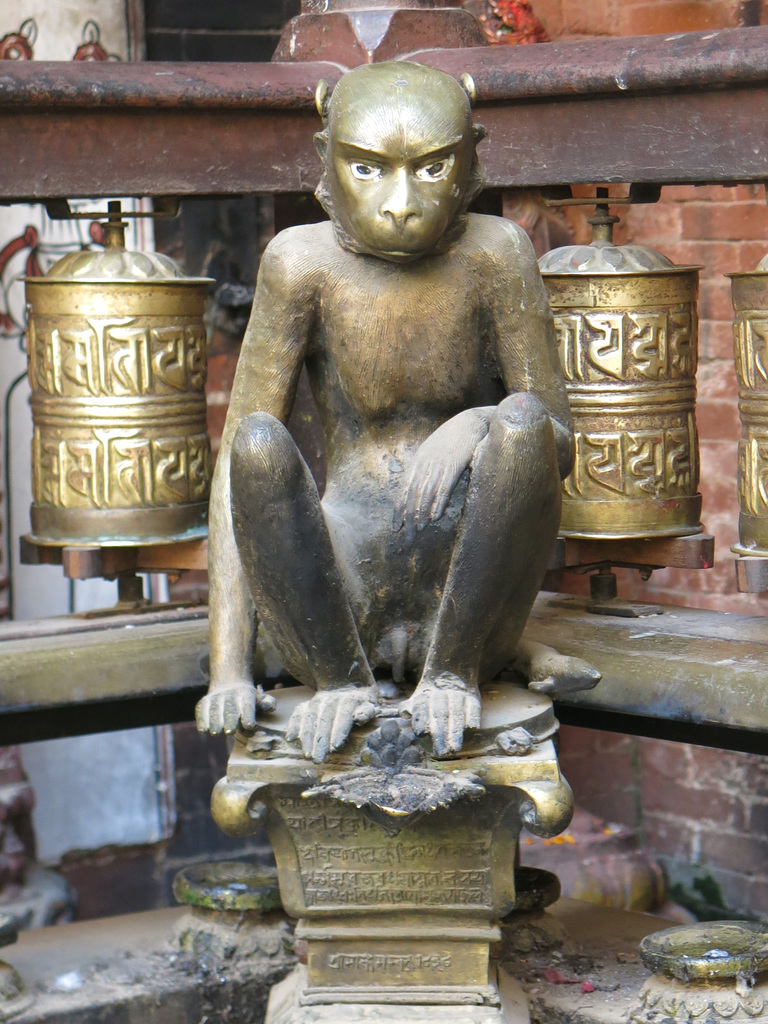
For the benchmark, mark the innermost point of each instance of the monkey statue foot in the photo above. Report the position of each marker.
(323, 723)
(227, 708)
(444, 706)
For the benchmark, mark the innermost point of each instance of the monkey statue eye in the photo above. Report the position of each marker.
(437, 171)
(365, 172)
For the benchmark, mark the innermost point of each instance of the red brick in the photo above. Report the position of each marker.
(653, 225)
(550, 14)
(749, 254)
(596, 18)
(114, 883)
(717, 257)
(714, 193)
(612, 792)
(221, 372)
(718, 419)
(674, 799)
(217, 415)
(726, 770)
(745, 854)
(715, 299)
(223, 343)
(718, 479)
(717, 379)
(662, 758)
(715, 339)
(669, 838)
(589, 743)
(700, 193)
(652, 18)
(725, 220)
(737, 890)
(756, 774)
(749, 192)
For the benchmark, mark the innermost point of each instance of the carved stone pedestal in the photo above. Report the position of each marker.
(397, 865)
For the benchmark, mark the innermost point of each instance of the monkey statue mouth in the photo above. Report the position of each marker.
(392, 245)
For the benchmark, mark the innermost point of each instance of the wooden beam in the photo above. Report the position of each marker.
(685, 108)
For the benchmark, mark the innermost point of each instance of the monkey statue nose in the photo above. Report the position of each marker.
(400, 205)
(399, 215)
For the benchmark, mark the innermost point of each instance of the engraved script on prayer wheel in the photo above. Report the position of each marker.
(750, 337)
(626, 324)
(117, 366)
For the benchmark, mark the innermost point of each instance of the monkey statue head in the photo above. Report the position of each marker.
(400, 163)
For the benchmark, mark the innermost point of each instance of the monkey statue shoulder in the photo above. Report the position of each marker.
(431, 352)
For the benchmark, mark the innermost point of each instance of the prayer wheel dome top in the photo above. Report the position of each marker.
(603, 256)
(115, 264)
(604, 259)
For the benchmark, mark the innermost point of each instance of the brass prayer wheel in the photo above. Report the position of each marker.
(117, 367)
(750, 345)
(626, 322)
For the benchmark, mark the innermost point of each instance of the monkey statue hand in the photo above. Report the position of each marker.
(437, 467)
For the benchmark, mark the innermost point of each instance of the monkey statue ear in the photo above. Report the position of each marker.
(469, 87)
(321, 143)
(322, 99)
(479, 132)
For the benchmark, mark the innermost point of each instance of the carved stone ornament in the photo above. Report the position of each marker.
(393, 790)
(662, 998)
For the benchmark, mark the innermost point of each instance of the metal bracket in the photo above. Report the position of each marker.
(644, 554)
(166, 207)
(88, 561)
(640, 194)
(751, 574)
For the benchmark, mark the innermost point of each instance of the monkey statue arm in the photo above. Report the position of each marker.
(526, 346)
(437, 467)
(267, 376)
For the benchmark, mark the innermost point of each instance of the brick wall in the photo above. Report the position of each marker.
(704, 812)
(566, 19)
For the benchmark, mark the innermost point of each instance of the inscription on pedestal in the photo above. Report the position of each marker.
(428, 961)
(422, 867)
(389, 963)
